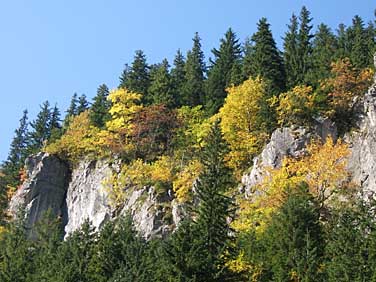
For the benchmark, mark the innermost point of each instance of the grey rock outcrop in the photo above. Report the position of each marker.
(362, 140)
(285, 142)
(81, 195)
(87, 197)
(44, 189)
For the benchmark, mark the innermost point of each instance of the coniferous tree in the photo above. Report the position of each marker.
(220, 73)
(193, 90)
(210, 247)
(360, 54)
(99, 111)
(83, 104)
(71, 111)
(324, 48)
(54, 124)
(137, 79)
(40, 132)
(290, 53)
(344, 48)
(178, 77)
(294, 239)
(124, 76)
(263, 58)
(160, 89)
(18, 152)
(16, 256)
(304, 45)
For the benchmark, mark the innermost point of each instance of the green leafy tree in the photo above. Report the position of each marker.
(99, 111)
(193, 90)
(262, 58)
(220, 73)
(160, 89)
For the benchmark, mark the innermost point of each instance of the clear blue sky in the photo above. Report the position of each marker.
(51, 49)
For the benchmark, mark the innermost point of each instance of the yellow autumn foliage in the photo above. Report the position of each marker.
(295, 106)
(183, 183)
(137, 174)
(323, 168)
(241, 122)
(80, 139)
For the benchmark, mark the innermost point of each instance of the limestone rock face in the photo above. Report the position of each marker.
(87, 197)
(285, 142)
(81, 195)
(362, 162)
(45, 188)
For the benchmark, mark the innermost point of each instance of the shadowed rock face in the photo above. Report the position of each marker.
(44, 189)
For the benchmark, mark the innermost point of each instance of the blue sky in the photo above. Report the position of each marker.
(51, 49)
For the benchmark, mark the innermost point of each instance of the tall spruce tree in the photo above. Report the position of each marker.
(82, 105)
(294, 239)
(198, 251)
(290, 53)
(71, 111)
(55, 125)
(262, 58)
(304, 45)
(124, 76)
(178, 77)
(360, 54)
(40, 129)
(324, 48)
(160, 89)
(138, 78)
(18, 152)
(99, 112)
(298, 48)
(220, 73)
(193, 90)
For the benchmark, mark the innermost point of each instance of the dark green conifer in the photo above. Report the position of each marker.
(55, 125)
(290, 52)
(294, 239)
(83, 104)
(178, 77)
(193, 90)
(71, 111)
(220, 73)
(304, 47)
(324, 48)
(360, 54)
(137, 79)
(99, 111)
(160, 89)
(18, 152)
(40, 129)
(262, 58)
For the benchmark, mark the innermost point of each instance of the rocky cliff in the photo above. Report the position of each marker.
(292, 142)
(78, 195)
